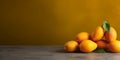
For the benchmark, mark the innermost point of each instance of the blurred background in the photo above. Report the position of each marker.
(53, 22)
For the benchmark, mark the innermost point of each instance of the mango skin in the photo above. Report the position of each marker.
(111, 36)
(71, 46)
(114, 46)
(97, 34)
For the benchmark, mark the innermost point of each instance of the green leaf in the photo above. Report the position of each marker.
(98, 50)
(106, 26)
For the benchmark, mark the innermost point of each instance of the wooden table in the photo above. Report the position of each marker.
(50, 53)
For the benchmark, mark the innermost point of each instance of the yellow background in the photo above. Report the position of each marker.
(53, 22)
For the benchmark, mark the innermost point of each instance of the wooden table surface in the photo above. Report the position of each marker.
(50, 53)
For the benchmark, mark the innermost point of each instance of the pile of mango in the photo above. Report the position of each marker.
(103, 38)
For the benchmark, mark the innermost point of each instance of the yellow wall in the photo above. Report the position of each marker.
(53, 22)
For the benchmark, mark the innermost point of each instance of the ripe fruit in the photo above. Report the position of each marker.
(114, 46)
(71, 46)
(82, 36)
(97, 34)
(103, 38)
(111, 35)
(87, 46)
(101, 44)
